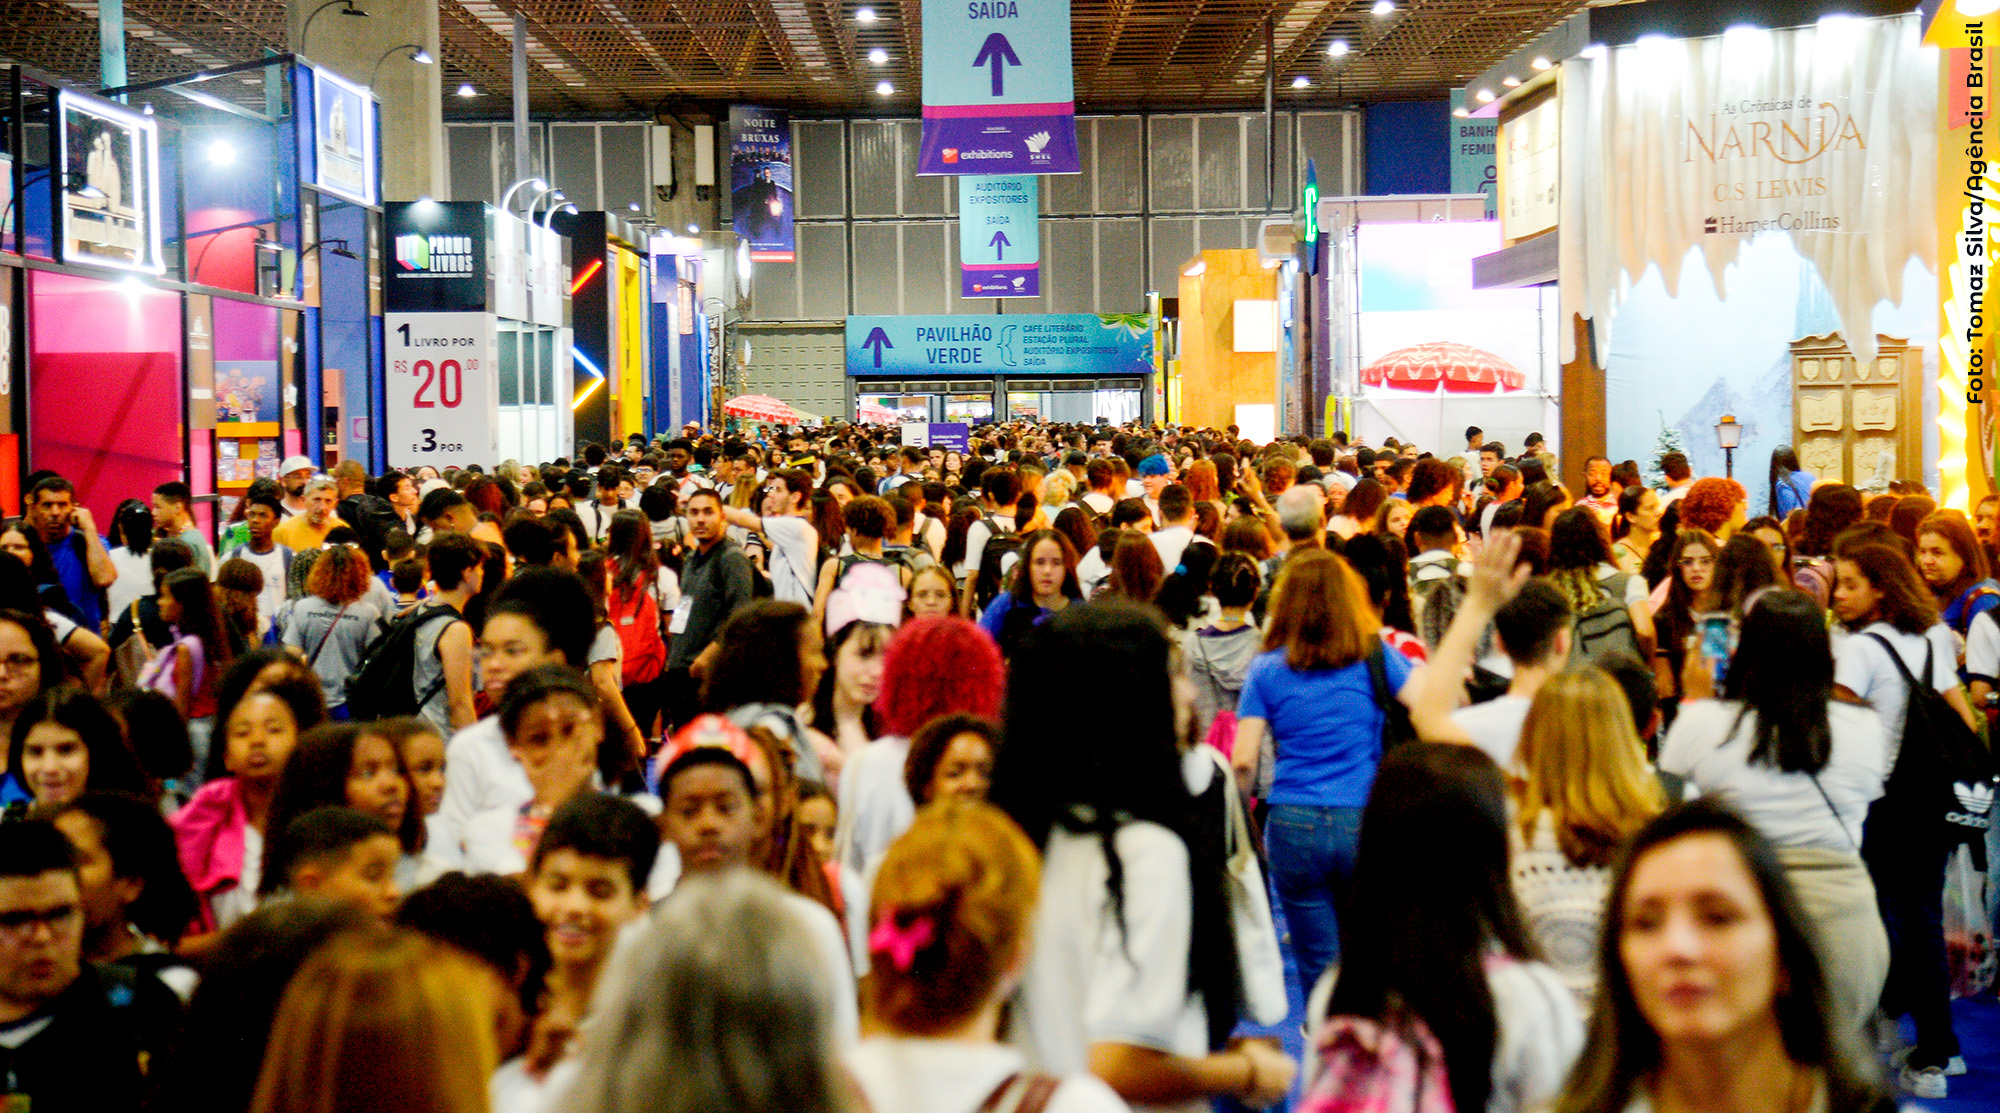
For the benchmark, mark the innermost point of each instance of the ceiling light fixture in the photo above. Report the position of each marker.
(878, 56)
(1511, 81)
(1384, 8)
(466, 90)
(1301, 81)
(1540, 64)
(864, 15)
(1484, 96)
(222, 153)
(883, 88)
(1337, 48)
(1461, 112)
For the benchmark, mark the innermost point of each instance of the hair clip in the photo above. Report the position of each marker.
(902, 943)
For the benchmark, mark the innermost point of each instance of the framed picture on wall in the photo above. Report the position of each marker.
(343, 138)
(110, 207)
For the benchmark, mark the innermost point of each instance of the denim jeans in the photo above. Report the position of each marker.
(1312, 865)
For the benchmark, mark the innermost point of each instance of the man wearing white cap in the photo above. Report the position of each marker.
(293, 475)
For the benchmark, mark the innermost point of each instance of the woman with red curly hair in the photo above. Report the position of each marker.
(1717, 506)
(932, 667)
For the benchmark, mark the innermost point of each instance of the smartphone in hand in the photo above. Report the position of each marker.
(1716, 641)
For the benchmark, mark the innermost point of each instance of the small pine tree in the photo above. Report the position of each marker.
(1669, 441)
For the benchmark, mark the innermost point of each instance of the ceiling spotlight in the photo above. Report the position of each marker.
(878, 56)
(1484, 96)
(1461, 112)
(1511, 81)
(864, 15)
(1301, 81)
(694, 229)
(1384, 8)
(1337, 48)
(466, 90)
(1540, 64)
(884, 88)
(222, 153)
(422, 57)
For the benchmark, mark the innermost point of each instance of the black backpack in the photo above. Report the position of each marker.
(986, 586)
(384, 682)
(1396, 726)
(1607, 627)
(1944, 775)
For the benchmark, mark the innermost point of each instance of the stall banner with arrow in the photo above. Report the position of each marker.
(999, 236)
(986, 345)
(998, 94)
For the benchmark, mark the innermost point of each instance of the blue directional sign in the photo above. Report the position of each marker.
(999, 236)
(998, 93)
(1004, 345)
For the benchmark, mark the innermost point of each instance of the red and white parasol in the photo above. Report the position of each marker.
(760, 407)
(868, 413)
(1444, 365)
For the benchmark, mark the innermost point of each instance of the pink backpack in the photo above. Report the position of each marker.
(1366, 1066)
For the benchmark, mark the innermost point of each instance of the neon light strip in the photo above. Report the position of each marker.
(585, 396)
(585, 360)
(588, 273)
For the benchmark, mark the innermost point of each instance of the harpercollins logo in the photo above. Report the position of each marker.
(441, 256)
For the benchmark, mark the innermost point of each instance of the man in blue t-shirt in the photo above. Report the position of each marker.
(83, 564)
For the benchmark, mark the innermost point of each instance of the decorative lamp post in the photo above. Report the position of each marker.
(1729, 434)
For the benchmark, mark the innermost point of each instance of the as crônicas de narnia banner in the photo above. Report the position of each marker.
(998, 93)
(1822, 133)
(760, 182)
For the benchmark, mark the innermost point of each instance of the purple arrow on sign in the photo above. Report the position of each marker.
(877, 340)
(997, 50)
(1000, 245)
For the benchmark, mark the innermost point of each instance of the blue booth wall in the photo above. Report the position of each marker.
(1409, 147)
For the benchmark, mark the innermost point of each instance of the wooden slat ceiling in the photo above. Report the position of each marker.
(600, 58)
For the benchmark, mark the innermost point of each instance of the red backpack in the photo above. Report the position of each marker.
(636, 617)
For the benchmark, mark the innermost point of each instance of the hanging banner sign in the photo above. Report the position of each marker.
(110, 213)
(343, 138)
(439, 391)
(998, 94)
(999, 236)
(992, 344)
(760, 182)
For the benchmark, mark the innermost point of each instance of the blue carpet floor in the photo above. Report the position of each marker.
(1977, 1022)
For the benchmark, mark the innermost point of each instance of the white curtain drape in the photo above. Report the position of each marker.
(1807, 126)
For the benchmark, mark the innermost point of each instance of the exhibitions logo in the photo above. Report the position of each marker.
(443, 256)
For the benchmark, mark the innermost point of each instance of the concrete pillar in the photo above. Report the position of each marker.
(413, 163)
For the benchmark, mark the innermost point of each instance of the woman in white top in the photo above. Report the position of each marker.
(1802, 767)
(1134, 971)
(1451, 953)
(1894, 631)
(131, 540)
(1583, 789)
(948, 940)
(1712, 993)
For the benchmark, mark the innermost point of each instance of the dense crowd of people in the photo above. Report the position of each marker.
(810, 771)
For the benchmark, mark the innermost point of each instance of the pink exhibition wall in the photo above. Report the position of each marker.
(104, 386)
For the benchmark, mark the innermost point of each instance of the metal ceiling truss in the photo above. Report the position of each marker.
(622, 58)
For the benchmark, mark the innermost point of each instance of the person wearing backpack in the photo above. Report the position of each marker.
(1437, 993)
(1900, 659)
(1953, 565)
(1000, 490)
(442, 657)
(637, 605)
(869, 521)
(1610, 606)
